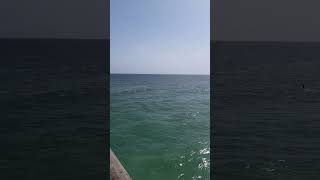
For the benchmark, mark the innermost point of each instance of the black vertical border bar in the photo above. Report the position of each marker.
(108, 91)
(108, 108)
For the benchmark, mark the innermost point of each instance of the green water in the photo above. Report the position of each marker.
(160, 125)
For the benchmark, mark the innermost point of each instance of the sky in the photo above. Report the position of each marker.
(87, 19)
(160, 36)
(265, 20)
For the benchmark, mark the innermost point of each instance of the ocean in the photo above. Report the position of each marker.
(54, 96)
(265, 125)
(53, 109)
(159, 125)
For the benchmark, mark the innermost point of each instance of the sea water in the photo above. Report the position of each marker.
(160, 125)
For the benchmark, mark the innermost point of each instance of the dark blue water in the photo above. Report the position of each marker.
(53, 109)
(265, 125)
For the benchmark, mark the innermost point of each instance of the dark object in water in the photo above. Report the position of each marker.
(302, 86)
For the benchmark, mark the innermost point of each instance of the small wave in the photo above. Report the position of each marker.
(269, 169)
(204, 151)
(205, 164)
(196, 177)
(133, 90)
(180, 175)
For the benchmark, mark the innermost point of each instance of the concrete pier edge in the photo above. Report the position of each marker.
(117, 171)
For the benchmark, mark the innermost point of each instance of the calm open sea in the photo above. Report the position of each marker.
(160, 125)
(265, 125)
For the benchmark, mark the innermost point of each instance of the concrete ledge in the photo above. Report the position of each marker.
(117, 171)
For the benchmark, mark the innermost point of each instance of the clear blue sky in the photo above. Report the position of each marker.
(160, 36)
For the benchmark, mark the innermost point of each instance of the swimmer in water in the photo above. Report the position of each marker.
(302, 86)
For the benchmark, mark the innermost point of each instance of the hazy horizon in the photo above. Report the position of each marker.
(159, 74)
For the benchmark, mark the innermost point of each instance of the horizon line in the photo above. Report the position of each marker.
(157, 74)
(108, 38)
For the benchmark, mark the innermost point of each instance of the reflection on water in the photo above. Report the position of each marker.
(160, 125)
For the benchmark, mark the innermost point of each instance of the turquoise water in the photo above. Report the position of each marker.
(160, 125)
